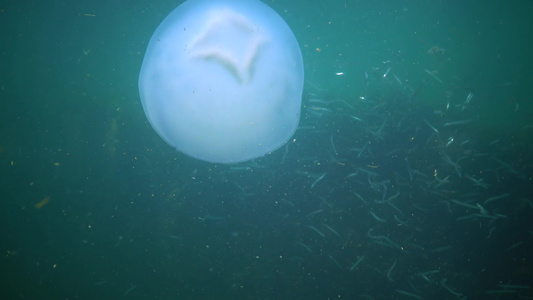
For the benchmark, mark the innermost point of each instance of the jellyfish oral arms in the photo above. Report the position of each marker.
(222, 80)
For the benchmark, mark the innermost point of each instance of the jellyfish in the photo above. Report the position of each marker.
(222, 81)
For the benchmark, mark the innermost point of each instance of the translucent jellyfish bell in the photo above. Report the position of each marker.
(222, 80)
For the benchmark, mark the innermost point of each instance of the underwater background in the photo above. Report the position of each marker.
(409, 176)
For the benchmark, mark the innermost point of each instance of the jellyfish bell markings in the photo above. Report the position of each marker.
(222, 81)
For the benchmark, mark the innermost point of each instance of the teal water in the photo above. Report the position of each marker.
(94, 205)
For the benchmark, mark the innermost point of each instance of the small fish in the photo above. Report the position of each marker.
(469, 97)
(386, 73)
(317, 180)
(433, 75)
